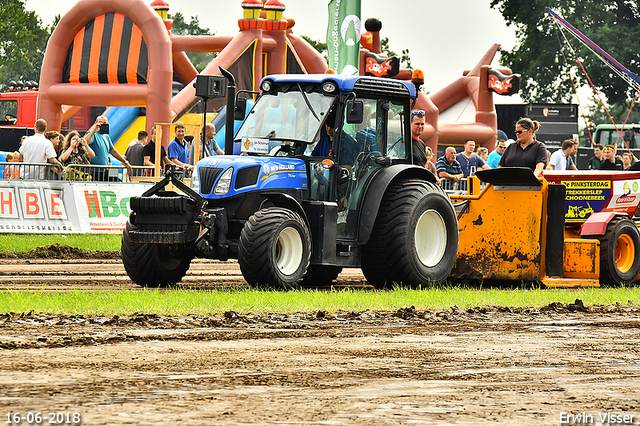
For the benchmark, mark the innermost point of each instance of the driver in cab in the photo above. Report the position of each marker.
(324, 146)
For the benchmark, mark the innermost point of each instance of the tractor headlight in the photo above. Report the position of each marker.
(224, 183)
(195, 180)
(266, 86)
(329, 87)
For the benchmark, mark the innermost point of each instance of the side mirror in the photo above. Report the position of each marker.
(240, 109)
(343, 175)
(355, 112)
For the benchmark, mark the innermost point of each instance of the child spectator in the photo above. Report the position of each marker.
(10, 171)
(56, 141)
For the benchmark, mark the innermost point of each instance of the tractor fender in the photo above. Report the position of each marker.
(277, 199)
(597, 223)
(376, 189)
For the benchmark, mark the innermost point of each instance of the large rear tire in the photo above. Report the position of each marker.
(275, 249)
(415, 237)
(153, 265)
(620, 252)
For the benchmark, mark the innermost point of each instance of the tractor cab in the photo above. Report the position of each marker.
(339, 126)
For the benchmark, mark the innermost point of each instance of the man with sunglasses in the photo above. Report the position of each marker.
(610, 161)
(417, 145)
(496, 154)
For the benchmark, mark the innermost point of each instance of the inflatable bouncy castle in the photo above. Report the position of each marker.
(121, 53)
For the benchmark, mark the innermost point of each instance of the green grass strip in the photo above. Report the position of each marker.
(22, 243)
(185, 302)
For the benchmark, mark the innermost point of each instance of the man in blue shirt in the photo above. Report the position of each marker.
(178, 149)
(469, 160)
(101, 144)
(494, 157)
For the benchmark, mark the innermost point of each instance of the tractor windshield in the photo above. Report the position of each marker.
(287, 116)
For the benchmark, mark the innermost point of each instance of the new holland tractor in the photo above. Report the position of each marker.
(295, 219)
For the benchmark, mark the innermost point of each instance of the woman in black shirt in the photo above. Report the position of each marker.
(526, 151)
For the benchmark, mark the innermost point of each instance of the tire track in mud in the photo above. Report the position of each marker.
(109, 274)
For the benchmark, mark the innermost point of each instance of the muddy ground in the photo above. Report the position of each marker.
(481, 366)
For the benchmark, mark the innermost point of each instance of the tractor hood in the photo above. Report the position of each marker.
(226, 176)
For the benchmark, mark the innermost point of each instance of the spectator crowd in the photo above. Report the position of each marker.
(46, 154)
(51, 155)
(454, 168)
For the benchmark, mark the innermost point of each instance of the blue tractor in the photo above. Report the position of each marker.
(324, 181)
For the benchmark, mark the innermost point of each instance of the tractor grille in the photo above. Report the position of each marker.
(208, 176)
(381, 88)
(247, 176)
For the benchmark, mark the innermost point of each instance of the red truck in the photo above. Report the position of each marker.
(18, 115)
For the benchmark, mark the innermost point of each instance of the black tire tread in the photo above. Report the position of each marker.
(143, 265)
(384, 258)
(165, 204)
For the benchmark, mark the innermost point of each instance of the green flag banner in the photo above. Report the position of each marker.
(343, 36)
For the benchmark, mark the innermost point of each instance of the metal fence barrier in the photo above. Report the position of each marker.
(74, 172)
(452, 187)
(33, 171)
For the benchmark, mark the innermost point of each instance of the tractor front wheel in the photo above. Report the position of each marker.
(275, 249)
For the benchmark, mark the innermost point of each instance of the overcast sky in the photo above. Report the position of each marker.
(444, 37)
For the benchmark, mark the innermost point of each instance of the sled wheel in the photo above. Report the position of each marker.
(414, 239)
(153, 265)
(320, 276)
(275, 248)
(619, 261)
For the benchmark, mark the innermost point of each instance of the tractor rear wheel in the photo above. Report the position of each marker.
(153, 265)
(275, 249)
(414, 239)
(620, 252)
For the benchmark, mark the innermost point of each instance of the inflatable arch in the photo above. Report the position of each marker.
(107, 52)
(121, 53)
(264, 45)
(473, 85)
(474, 91)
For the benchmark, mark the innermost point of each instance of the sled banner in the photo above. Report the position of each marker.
(61, 207)
(343, 36)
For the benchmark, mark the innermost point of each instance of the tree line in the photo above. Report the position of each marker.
(548, 62)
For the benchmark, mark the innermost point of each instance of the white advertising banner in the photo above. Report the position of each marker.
(59, 207)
